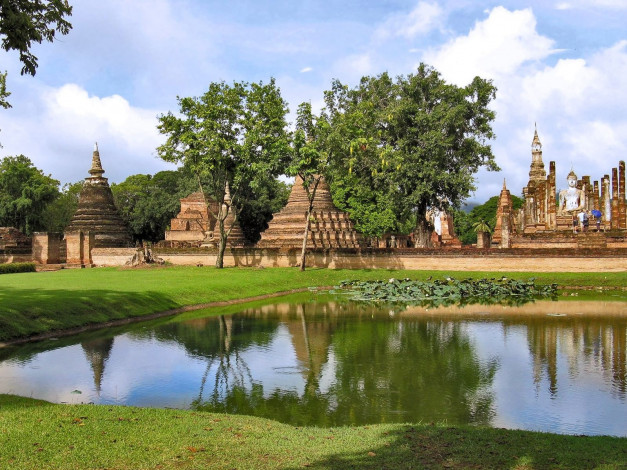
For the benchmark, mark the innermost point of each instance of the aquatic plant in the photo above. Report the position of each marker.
(449, 291)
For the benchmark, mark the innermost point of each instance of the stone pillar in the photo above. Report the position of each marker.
(606, 198)
(88, 244)
(74, 247)
(46, 247)
(622, 216)
(483, 240)
(615, 219)
(587, 190)
(506, 225)
(595, 200)
(551, 212)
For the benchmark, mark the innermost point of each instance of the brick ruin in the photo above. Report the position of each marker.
(196, 223)
(329, 226)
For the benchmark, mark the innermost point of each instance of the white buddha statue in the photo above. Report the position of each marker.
(572, 199)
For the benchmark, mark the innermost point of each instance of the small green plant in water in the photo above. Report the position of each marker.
(449, 291)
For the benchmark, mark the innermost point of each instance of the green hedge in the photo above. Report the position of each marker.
(17, 268)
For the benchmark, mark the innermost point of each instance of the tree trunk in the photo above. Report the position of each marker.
(422, 234)
(303, 252)
(221, 244)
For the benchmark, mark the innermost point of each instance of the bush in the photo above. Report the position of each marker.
(17, 268)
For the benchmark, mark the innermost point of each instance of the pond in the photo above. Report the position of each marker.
(326, 361)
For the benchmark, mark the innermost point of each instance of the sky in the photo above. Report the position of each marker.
(559, 65)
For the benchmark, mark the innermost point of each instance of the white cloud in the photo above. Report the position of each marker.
(60, 137)
(495, 47)
(306, 69)
(424, 18)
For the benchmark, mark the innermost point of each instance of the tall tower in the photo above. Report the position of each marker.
(536, 172)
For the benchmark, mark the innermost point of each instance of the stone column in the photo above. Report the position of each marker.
(595, 201)
(587, 190)
(622, 217)
(606, 199)
(551, 212)
(615, 219)
(505, 231)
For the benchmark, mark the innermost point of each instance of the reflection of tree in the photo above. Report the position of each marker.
(382, 370)
(601, 342)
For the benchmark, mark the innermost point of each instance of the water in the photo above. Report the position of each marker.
(548, 366)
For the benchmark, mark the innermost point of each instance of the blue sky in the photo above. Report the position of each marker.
(561, 64)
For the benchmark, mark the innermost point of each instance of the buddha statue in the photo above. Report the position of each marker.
(571, 199)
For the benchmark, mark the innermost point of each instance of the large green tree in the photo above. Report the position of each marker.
(231, 138)
(407, 144)
(23, 22)
(25, 193)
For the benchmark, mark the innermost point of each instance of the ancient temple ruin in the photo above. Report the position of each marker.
(96, 215)
(329, 226)
(196, 223)
(549, 219)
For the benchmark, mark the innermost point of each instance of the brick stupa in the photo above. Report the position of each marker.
(330, 227)
(96, 212)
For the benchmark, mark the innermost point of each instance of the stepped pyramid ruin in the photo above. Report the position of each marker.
(196, 223)
(96, 212)
(330, 227)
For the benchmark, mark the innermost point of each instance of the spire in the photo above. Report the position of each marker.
(96, 170)
(504, 185)
(536, 172)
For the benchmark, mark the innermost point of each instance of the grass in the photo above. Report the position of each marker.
(39, 435)
(36, 303)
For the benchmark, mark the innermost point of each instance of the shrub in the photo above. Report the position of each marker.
(17, 268)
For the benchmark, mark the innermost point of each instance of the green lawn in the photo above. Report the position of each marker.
(34, 303)
(40, 435)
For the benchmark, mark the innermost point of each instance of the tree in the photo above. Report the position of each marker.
(465, 222)
(408, 145)
(59, 212)
(23, 22)
(147, 203)
(231, 138)
(268, 197)
(310, 159)
(24, 194)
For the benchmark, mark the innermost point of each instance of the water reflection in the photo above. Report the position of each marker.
(561, 369)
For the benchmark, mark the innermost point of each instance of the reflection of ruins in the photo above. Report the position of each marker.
(355, 366)
(97, 352)
(585, 341)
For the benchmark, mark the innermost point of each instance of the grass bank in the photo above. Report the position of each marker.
(39, 435)
(37, 303)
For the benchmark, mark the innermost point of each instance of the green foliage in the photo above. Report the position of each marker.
(465, 222)
(59, 212)
(25, 193)
(267, 198)
(232, 137)
(12, 268)
(450, 291)
(4, 94)
(23, 22)
(400, 147)
(147, 203)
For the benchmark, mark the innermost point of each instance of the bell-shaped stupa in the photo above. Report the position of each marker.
(329, 226)
(96, 212)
